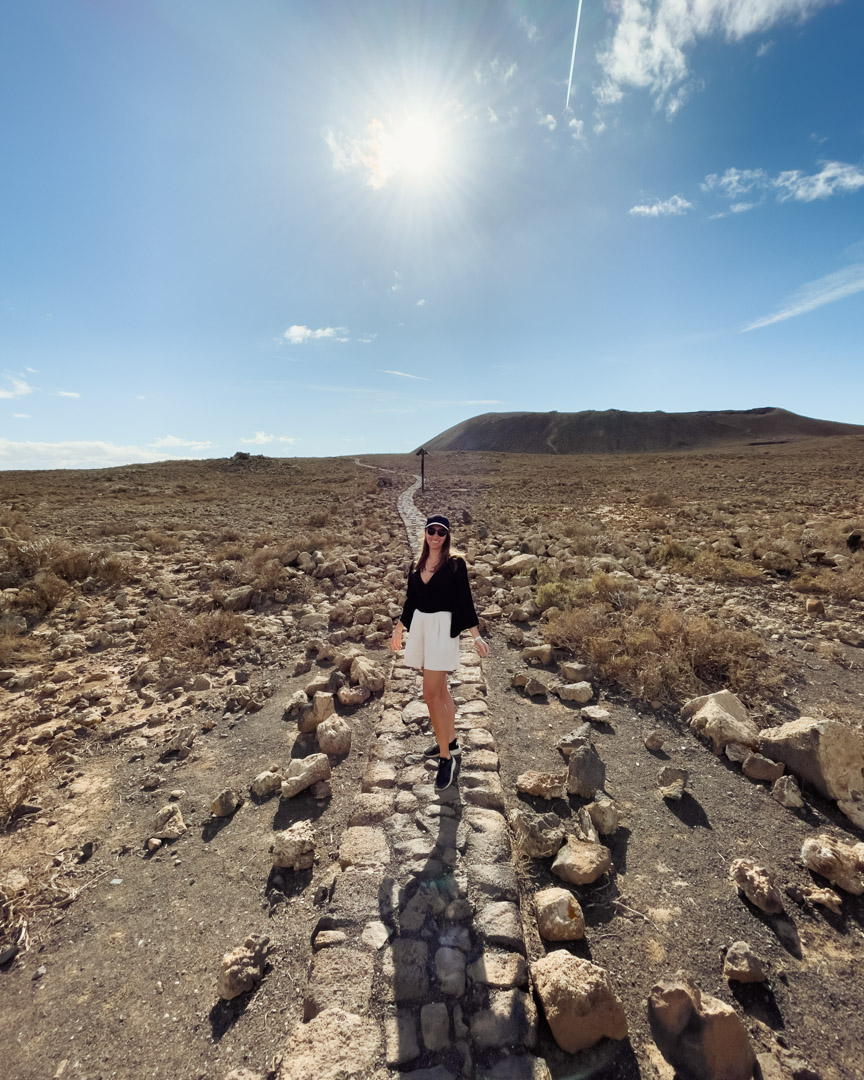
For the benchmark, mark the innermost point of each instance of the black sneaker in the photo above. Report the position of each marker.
(446, 772)
(433, 751)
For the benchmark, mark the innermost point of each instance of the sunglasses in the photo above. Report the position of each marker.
(432, 531)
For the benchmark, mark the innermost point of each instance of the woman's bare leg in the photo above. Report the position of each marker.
(442, 709)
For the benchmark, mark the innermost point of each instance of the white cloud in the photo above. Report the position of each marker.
(652, 39)
(671, 207)
(32, 370)
(815, 294)
(491, 115)
(68, 455)
(299, 335)
(291, 439)
(735, 182)
(404, 374)
(68, 393)
(531, 31)
(172, 441)
(15, 387)
(577, 129)
(496, 70)
(421, 303)
(20, 416)
(259, 439)
(367, 340)
(764, 48)
(834, 178)
(548, 121)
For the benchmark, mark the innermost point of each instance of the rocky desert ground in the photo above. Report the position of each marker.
(221, 853)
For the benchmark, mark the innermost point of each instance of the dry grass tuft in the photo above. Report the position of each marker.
(196, 642)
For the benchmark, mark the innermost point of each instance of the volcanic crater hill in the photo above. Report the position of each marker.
(614, 430)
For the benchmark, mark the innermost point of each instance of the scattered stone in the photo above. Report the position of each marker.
(758, 767)
(604, 814)
(581, 863)
(742, 965)
(595, 714)
(672, 781)
(787, 793)
(169, 824)
(152, 781)
(814, 606)
(757, 884)
(580, 736)
(296, 704)
(826, 754)
(579, 692)
(541, 653)
(303, 773)
(809, 894)
(316, 713)
(266, 783)
(371, 808)
(225, 803)
(332, 1046)
(329, 939)
(736, 751)
(538, 835)
(842, 864)
(243, 968)
(294, 848)
(181, 743)
(559, 916)
(368, 674)
(378, 775)
(723, 719)
(353, 695)
(546, 785)
(334, 736)
(573, 673)
(578, 1001)
(375, 935)
(702, 1037)
(653, 741)
(586, 773)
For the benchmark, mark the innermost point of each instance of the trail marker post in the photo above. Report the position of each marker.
(421, 453)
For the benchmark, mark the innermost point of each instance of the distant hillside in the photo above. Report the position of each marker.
(614, 431)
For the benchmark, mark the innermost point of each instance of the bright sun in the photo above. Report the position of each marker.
(415, 146)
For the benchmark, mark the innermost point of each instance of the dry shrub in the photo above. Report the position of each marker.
(42, 594)
(19, 779)
(318, 519)
(196, 642)
(657, 500)
(232, 552)
(161, 541)
(227, 535)
(709, 566)
(656, 653)
(670, 551)
(843, 585)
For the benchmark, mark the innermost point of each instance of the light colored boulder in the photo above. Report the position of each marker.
(671, 782)
(586, 773)
(266, 783)
(579, 692)
(723, 719)
(316, 713)
(368, 674)
(742, 965)
(353, 695)
(303, 773)
(541, 653)
(842, 864)
(787, 793)
(294, 848)
(225, 803)
(578, 1001)
(334, 736)
(604, 814)
(826, 754)
(702, 1037)
(758, 767)
(559, 916)
(169, 823)
(580, 736)
(546, 785)
(572, 672)
(537, 835)
(580, 863)
(757, 884)
(242, 969)
(519, 564)
(724, 698)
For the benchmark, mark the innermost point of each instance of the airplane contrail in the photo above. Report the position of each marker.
(573, 57)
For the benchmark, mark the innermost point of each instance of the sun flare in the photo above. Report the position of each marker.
(418, 146)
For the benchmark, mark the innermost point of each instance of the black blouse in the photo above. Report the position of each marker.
(447, 590)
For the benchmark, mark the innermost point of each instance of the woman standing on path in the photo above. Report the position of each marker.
(439, 605)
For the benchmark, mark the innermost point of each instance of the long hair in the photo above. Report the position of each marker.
(447, 552)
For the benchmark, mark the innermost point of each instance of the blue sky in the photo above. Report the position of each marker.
(322, 228)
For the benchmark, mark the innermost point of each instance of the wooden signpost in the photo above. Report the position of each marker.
(421, 453)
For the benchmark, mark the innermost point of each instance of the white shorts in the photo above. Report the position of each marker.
(429, 643)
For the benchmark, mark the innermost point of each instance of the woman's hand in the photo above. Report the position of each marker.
(396, 639)
(481, 645)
